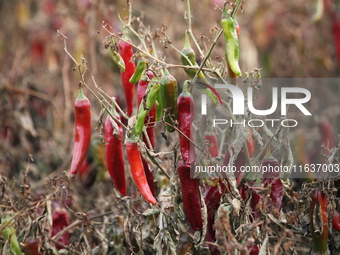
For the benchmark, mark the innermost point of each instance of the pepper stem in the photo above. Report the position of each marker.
(80, 91)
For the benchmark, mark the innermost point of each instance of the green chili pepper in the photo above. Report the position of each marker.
(189, 54)
(203, 84)
(141, 65)
(169, 95)
(146, 104)
(9, 234)
(117, 58)
(232, 46)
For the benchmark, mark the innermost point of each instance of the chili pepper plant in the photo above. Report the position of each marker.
(133, 136)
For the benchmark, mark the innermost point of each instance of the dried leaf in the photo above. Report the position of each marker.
(150, 212)
(264, 246)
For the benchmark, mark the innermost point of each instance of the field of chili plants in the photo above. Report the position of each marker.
(115, 117)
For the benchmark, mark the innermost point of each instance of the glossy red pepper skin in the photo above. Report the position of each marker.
(82, 136)
(149, 176)
(126, 52)
(60, 221)
(32, 247)
(137, 170)
(190, 196)
(186, 115)
(114, 154)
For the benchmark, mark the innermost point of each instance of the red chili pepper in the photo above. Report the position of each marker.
(190, 196)
(137, 170)
(186, 106)
(83, 171)
(250, 143)
(336, 221)
(320, 240)
(82, 136)
(32, 247)
(254, 250)
(212, 202)
(126, 52)
(60, 221)
(211, 140)
(114, 152)
(149, 176)
(87, 173)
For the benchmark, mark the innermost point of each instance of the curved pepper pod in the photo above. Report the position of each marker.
(141, 65)
(114, 154)
(137, 170)
(82, 134)
(186, 114)
(232, 45)
(190, 196)
(126, 52)
(149, 176)
(117, 58)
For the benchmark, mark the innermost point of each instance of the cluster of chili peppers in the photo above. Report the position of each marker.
(158, 95)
